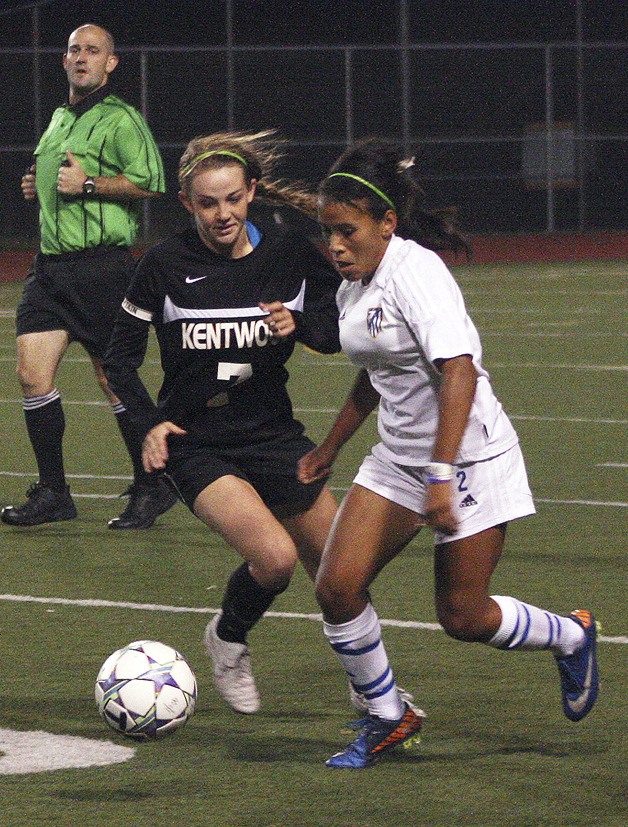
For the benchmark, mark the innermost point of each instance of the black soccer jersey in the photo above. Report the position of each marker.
(224, 376)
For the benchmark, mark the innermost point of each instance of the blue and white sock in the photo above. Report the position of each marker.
(359, 647)
(528, 627)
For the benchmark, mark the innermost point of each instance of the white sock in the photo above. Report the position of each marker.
(528, 627)
(358, 645)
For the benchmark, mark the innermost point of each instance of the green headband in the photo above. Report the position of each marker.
(187, 169)
(368, 184)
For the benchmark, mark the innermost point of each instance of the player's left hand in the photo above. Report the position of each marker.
(280, 320)
(439, 508)
(71, 177)
(155, 446)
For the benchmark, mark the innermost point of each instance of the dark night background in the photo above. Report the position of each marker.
(469, 107)
(181, 22)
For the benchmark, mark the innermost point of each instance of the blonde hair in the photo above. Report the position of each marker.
(257, 153)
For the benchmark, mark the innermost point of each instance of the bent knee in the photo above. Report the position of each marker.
(336, 596)
(32, 382)
(464, 624)
(274, 569)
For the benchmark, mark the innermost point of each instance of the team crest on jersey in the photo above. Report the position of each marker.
(374, 320)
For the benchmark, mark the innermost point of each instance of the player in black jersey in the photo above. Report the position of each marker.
(228, 304)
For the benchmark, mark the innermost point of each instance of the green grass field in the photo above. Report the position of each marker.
(497, 751)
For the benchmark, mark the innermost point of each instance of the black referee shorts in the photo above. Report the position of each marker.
(77, 292)
(270, 467)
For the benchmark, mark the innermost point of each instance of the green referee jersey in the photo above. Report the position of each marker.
(107, 137)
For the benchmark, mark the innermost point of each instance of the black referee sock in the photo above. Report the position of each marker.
(244, 603)
(133, 442)
(45, 423)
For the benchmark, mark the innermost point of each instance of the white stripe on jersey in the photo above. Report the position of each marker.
(136, 311)
(172, 312)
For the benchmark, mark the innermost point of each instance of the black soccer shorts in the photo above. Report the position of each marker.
(270, 467)
(80, 293)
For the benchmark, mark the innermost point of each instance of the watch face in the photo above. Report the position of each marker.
(89, 187)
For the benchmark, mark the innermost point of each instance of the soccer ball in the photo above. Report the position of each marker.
(145, 690)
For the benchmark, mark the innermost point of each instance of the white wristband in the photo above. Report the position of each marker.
(440, 472)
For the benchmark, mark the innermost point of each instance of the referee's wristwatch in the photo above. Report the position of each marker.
(89, 186)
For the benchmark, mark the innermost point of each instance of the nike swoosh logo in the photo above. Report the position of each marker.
(188, 280)
(579, 704)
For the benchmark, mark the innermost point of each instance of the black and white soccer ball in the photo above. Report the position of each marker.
(145, 690)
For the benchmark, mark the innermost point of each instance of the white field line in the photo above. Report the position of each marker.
(341, 362)
(69, 476)
(558, 334)
(610, 503)
(535, 311)
(571, 293)
(95, 403)
(95, 496)
(524, 417)
(340, 489)
(540, 365)
(157, 607)
(531, 418)
(79, 360)
(345, 363)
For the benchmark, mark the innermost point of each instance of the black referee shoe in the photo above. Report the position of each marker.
(43, 505)
(146, 502)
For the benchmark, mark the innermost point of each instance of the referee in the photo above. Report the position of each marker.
(92, 168)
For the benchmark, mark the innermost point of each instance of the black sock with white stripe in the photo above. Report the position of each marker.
(133, 442)
(45, 423)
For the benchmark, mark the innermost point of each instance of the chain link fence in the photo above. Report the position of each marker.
(521, 137)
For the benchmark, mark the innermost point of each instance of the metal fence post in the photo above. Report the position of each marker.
(549, 141)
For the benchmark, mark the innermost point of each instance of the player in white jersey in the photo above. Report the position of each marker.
(448, 457)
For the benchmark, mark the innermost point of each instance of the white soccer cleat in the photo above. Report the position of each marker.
(232, 671)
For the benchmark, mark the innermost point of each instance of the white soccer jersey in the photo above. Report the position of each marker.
(410, 314)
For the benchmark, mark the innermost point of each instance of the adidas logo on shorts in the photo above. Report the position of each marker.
(468, 500)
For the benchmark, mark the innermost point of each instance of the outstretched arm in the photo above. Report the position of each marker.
(362, 400)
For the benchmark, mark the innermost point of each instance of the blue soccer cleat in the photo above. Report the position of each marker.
(378, 736)
(579, 679)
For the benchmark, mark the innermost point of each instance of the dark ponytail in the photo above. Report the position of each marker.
(374, 169)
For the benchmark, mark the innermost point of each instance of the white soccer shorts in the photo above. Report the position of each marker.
(486, 493)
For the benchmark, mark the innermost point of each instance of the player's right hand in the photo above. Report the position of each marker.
(315, 465)
(155, 447)
(29, 189)
(439, 508)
